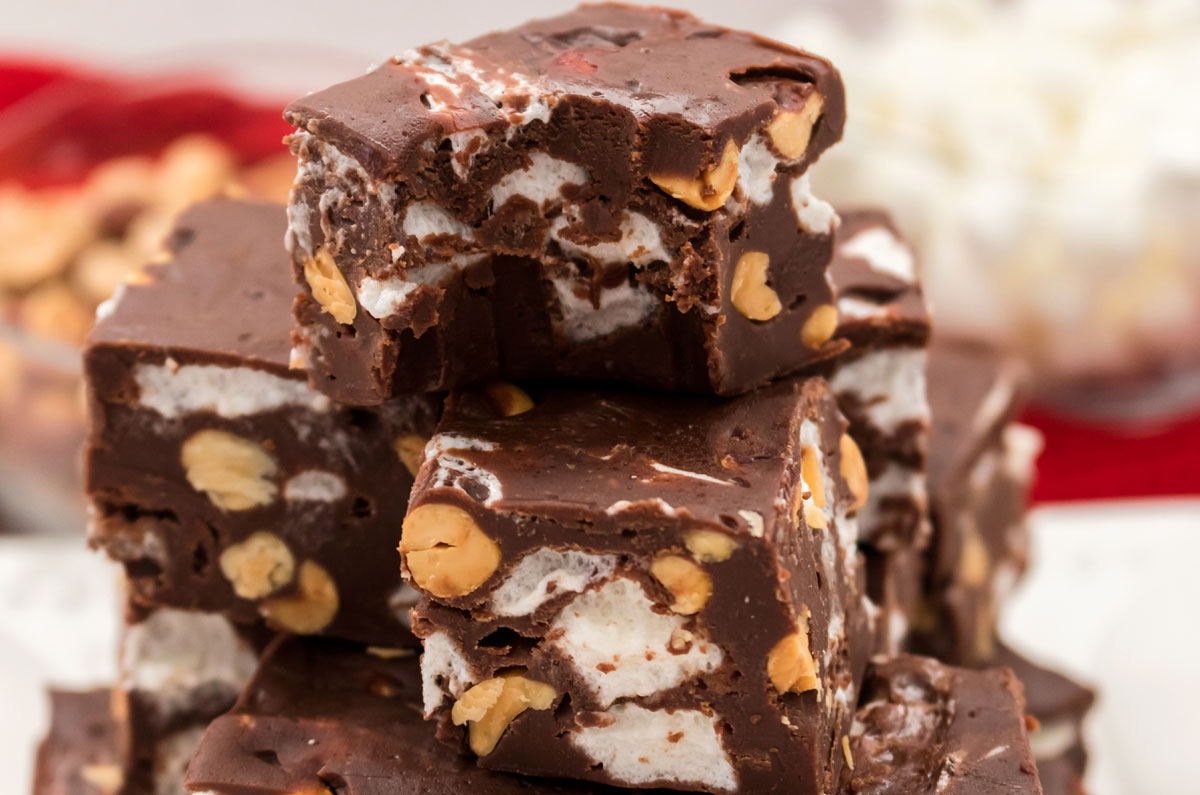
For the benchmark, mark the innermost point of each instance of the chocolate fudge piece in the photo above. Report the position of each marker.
(617, 193)
(926, 728)
(329, 716)
(980, 468)
(895, 585)
(217, 476)
(79, 755)
(880, 380)
(1060, 706)
(641, 589)
(178, 669)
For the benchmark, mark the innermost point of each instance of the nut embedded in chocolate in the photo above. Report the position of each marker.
(234, 472)
(445, 551)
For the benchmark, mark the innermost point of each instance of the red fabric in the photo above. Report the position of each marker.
(1086, 460)
(73, 119)
(58, 122)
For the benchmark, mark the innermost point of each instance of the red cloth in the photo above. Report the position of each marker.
(1090, 460)
(56, 122)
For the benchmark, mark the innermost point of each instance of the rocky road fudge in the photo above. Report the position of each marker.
(178, 670)
(880, 381)
(80, 753)
(617, 193)
(640, 589)
(217, 476)
(1060, 706)
(927, 728)
(325, 716)
(980, 470)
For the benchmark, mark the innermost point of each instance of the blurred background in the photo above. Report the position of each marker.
(1043, 155)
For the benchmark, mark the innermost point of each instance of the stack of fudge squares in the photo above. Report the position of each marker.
(679, 484)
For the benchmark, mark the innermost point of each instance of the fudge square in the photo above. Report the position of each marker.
(925, 727)
(981, 466)
(642, 589)
(328, 716)
(617, 193)
(177, 670)
(216, 475)
(80, 754)
(880, 381)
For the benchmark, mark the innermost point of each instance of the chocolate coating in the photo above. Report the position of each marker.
(686, 87)
(203, 347)
(327, 715)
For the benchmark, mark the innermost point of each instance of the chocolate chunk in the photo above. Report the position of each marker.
(617, 193)
(925, 727)
(217, 476)
(640, 589)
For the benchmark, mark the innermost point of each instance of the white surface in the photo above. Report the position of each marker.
(1109, 598)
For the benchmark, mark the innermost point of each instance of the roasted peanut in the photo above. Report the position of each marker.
(688, 583)
(708, 191)
(446, 552)
(750, 293)
(854, 472)
(791, 130)
(490, 706)
(329, 287)
(820, 326)
(709, 546)
(310, 609)
(234, 472)
(258, 566)
(410, 448)
(790, 665)
(509, 399)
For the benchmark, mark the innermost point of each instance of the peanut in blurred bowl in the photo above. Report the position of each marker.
(93, 171)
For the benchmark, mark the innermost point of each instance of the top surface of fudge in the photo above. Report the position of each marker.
(925, 727)
(874, 273)
(689, 86)
(607, 455)
(202, 301)
(325, 714)
(974, 391)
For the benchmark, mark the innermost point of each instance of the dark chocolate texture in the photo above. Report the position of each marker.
(925, 728)
(980, 471)
(638, 554)
(324, 715)
(217, 476)
(880, 381)
(571, 198)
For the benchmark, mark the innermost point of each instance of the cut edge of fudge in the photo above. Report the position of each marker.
(592, 504)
